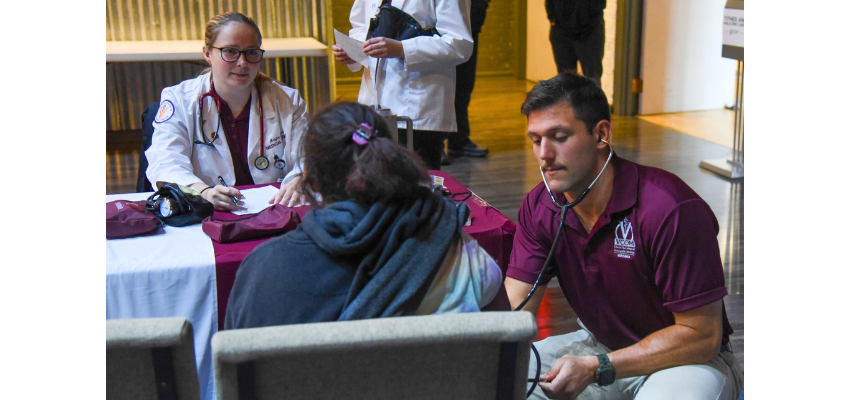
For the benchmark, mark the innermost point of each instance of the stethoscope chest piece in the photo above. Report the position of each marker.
(261, 162)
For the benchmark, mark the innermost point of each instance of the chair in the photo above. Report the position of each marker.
(461, 356)
(142, 183)
(150, 358)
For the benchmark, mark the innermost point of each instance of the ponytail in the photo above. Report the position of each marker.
(340, 164)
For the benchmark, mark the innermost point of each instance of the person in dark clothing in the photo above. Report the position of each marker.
(459, 142)
(378, 243)
(577, 35)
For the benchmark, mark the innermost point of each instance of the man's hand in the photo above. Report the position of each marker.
(341, 56)
(569, 376)
(381, 47)
(288, 194)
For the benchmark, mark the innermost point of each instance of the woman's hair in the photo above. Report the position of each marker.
(214, 26)
(338, 168)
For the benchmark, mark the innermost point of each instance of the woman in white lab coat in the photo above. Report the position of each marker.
(417, 79)
(231, 122)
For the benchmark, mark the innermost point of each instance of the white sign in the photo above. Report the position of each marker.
(733, 27)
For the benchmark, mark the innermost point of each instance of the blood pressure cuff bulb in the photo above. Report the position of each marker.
(177, 205)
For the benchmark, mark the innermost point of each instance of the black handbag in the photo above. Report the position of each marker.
(393, 23)
(178, 206)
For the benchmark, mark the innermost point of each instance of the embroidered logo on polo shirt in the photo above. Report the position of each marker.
(624, 239)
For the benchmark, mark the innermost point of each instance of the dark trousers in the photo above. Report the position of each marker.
(464, 83)
(568, 52)
(465, 79)
(427, 144)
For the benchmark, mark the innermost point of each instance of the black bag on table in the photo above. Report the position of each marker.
(393, 23)
(177, 205)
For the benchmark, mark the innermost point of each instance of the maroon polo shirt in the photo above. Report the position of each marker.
(652, 252)
(236, 134)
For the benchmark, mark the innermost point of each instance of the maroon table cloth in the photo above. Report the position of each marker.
(493, 231)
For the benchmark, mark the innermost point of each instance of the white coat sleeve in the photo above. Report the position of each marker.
(296, 131)
(452, 47)
(171, 144)
(359, 21)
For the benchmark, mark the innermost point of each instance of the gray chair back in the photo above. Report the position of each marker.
(150, 358)
(462, 356)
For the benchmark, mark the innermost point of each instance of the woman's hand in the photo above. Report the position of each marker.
(381, 47)
(341, 55)
(220, 197)
(288, 194)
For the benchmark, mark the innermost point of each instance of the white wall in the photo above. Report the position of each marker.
(681, 66)
(540, 62)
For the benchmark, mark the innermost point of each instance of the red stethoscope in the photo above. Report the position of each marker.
(261, 162)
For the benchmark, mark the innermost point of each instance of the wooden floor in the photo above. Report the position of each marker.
(510, 171)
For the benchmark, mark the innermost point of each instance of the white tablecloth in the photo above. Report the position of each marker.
(169, 274)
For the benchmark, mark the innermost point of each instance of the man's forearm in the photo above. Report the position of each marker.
(694, 339)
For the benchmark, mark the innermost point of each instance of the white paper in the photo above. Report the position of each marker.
(255, 200)
(353, 47)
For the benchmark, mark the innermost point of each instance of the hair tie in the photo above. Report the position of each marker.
(361, 136)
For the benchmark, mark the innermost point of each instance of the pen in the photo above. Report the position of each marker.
(221, 181)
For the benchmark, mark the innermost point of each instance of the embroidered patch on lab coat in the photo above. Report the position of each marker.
(166, 111)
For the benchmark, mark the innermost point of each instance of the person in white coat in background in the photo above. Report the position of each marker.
(417, 78)
(231, 125)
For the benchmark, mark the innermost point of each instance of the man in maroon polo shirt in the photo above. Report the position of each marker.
(637, 260)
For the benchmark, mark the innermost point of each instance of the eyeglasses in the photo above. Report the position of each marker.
(231, 54)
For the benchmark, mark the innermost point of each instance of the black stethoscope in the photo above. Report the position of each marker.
(261, 162)
(564, 208)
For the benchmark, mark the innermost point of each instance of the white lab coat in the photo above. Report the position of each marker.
(422, 85)
(174, 157)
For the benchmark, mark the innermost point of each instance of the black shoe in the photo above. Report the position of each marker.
(469, 150)
(444, 159)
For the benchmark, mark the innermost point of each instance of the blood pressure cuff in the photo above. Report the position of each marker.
(273, 221)
(391, 22)
(126, 218)
(177, 205)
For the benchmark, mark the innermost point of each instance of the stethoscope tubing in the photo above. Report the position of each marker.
(548, 259)
(564, 208)
(217, 101)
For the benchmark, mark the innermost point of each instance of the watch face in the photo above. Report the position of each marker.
(605, 377)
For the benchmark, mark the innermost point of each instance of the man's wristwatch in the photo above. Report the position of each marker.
(605, 374)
